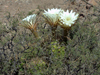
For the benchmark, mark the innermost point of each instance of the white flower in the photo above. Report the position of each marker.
(68, 19)
(29, 21)
(53, 11)
(52, 16)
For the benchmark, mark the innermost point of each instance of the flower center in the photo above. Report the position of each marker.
(68, 18)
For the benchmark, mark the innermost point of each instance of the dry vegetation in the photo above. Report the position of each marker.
(77, 54)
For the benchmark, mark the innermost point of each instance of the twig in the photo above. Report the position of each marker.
(87, 2)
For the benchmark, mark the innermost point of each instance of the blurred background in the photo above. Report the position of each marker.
(22, 54)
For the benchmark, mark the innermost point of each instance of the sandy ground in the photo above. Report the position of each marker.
(17, 6)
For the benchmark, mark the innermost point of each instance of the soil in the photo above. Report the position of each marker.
(84, 7)
(16, 6)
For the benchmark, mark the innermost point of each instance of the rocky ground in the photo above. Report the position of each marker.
(84, 7)
(12, 11)
(16, 6)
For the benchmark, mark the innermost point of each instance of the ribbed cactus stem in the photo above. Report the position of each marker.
(65, 32)
(35, 33)
(53, 28)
